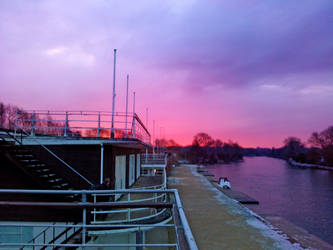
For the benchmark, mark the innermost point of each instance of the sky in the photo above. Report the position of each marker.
(250, 71)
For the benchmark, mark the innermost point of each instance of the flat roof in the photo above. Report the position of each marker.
(54, 140)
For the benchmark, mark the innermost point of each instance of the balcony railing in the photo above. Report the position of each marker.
(92, 124)
(183, 238)
(131, 215)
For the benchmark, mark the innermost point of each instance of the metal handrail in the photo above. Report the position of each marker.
(84, 205)
(56, 237)
(89, 245)
(57, 157)
(32, 121)
(6, 224)
(67, 165)
(187, 231)
(129, 211)
(131, 220)
(41, 233)
(141, 200)
(76, 112)
(161, 186)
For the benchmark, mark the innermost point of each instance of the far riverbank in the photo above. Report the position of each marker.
(308, 165)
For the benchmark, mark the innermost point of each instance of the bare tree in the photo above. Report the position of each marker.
(203, 140)
(293, 147)
(2, 115)
(324, 140)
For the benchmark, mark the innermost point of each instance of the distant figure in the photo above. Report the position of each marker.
(103, 198)
(224, 183)
(105, 185)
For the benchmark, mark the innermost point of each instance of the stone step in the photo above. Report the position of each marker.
(36, 165)
(47, 175)
(29, 160)
(55, 180)
(24, 156)
(43, 170)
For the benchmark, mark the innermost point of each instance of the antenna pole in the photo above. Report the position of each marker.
(113, 92)
(126, 106)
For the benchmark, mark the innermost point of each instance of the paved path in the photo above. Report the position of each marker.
(218, 222)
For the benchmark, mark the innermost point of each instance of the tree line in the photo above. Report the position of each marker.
(317, 150)
(205, 149)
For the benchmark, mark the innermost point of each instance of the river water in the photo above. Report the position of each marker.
(302, 196)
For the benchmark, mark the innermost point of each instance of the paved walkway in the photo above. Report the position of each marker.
(218, 222)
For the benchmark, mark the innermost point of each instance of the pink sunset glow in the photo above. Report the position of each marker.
(254, 72)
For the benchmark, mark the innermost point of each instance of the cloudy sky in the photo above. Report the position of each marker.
(251, 71)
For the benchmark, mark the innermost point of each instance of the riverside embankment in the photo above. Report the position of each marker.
(308, 165)
(218, 222)
(287, 195)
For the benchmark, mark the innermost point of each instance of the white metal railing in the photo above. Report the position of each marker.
(84, 226)
(96, 124)
(154, 169)
(153, 158)
(77, 228)
(150, 171)
(131, 214)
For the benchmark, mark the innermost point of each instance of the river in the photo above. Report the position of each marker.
(302, 196)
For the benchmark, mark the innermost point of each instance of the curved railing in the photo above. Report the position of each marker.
(179, 225)
(131, 215)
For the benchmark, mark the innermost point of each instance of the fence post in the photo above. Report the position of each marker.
(133, 126)
(99, 125)
(66, 124)
(126, 115)
(134, 116)
(95, 200)
(84, 219)
(33, 123)
(128, 210)
(113, 93)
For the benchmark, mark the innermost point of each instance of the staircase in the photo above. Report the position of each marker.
(27, 161)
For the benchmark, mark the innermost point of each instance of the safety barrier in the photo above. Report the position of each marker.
(135, 214)
(94, 124)
(173, 205)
